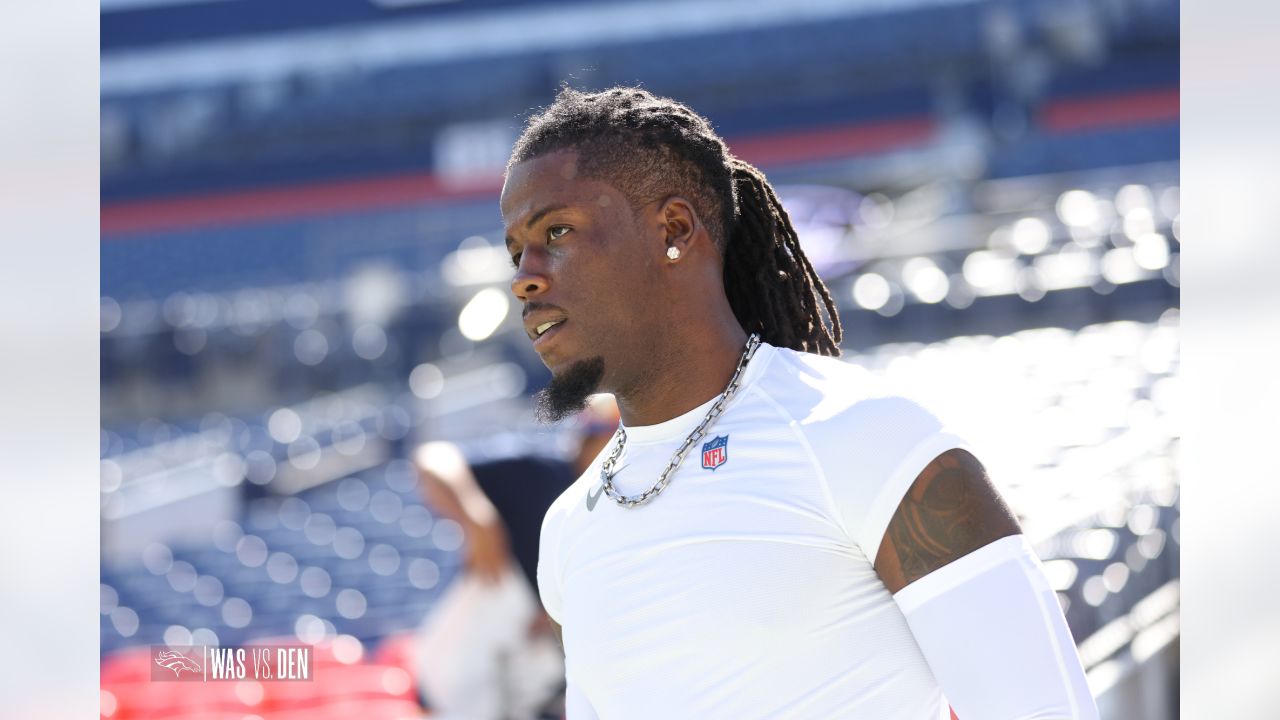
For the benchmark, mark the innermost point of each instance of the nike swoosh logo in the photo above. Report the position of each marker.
(592, 498)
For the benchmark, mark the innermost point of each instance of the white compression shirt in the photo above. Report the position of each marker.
(746, 588)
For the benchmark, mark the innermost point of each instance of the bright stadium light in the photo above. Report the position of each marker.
(1078, 208)
(1131, 198)
(476, 262)
(1138, 222)
(483, 314)
(1119, 266)
(1030, 284)
(871, 291)
(1072, 266)
(284, 426)
(1031, 236)
(876, 210)
(925, 280)
(1169, 202)
(1151, 251)
(990, 273)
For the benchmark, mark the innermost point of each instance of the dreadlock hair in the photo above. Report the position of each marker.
(652, 147)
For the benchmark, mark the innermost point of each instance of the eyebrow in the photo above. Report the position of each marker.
(534, 218)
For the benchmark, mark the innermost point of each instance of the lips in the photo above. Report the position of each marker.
(542, 323)
(546, 336)
(539, 330)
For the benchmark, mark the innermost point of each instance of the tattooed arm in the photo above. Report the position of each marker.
(951, 510)
(977, 602)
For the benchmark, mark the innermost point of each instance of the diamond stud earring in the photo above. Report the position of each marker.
(673, 253)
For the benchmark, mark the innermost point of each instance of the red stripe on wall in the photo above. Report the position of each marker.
(319, 199)
(293, 201)
(402, 191)
(1110, 111)
(832, 143)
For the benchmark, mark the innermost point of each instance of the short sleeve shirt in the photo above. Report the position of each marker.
(746, 589)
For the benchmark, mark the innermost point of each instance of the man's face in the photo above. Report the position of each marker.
(583, 262)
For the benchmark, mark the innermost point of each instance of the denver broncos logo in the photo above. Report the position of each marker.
(177, 662)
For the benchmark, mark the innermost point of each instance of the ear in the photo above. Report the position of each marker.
(682, 229)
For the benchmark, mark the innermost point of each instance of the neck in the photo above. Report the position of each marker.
(688, 370)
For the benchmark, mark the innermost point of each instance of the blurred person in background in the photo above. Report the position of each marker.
(486, 651)
(770, 534)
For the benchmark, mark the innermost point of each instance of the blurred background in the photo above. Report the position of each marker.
(303, 276)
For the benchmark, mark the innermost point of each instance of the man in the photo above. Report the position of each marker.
(483, 652)
(770, 534)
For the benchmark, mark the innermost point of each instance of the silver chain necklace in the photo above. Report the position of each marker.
(606, 469)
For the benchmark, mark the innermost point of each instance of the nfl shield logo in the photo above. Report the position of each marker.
(716, 452)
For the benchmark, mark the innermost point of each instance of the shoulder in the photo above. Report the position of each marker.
(836, 401)
(564, 505)
(869, 438)
(811, 388)
(817, 368)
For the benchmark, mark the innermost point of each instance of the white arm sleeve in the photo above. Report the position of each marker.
(994, 635)
(576, 706)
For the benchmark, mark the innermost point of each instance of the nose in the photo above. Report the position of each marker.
(530, 279)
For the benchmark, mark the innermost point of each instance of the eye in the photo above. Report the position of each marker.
(555, 232)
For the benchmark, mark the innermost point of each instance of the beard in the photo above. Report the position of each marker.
(567, 393)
